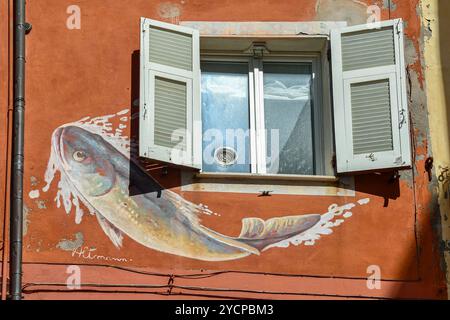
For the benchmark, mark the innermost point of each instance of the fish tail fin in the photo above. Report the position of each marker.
(260, 234)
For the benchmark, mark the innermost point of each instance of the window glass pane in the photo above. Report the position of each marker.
(225, 117)
(288, 118)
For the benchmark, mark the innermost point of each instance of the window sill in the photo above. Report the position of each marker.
(255, 176)
(277, 184)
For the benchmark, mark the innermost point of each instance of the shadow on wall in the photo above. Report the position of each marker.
(384, 184)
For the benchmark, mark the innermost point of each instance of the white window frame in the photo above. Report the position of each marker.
(256, 108)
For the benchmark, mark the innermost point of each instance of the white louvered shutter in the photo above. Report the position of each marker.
(369, 93)
(170, 94)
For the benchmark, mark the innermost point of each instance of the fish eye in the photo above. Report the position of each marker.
(79, 156)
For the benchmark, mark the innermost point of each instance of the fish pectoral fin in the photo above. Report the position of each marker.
(114, 234)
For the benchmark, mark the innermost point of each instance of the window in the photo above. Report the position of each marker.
(261, 106)
(254, 113)
(226, 116)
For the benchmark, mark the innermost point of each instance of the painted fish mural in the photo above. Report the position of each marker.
(95, 170)
(157, 218)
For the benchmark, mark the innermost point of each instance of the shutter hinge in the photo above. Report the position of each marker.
(145, 111)
(402, 118)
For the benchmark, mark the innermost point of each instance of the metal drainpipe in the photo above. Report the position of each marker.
(16, 216)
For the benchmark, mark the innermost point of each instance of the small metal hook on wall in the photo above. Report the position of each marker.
(429, 167)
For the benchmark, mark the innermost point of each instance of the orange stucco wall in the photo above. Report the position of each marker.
(72, 74)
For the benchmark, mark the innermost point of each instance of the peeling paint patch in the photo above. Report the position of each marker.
(170, 11)
(70, 245)
(407, 177)
(420, 140)
(354, 12)
(34, 181)
(420, 157)
(41, 204)
(427, 30)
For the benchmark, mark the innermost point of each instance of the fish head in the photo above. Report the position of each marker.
(85, 159)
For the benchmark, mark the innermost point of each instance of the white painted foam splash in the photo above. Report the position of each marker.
(363, 201)
(69, 197)
(335, 216)
(33, 194)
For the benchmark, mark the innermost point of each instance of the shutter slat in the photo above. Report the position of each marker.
(378, 119)
(362, 127)
(370, 149)
(368, 130)
(368, 49)
(170, 97)
(375, 86)
(380, 141)
(367, 146)
(170, 48)
(372, 117)
(363, 104)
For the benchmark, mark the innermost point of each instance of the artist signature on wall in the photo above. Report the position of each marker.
(88, 253)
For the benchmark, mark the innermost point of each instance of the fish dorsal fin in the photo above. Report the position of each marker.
(111, 231)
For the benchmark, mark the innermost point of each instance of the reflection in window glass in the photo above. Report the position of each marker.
(288, 118)
(225, 117)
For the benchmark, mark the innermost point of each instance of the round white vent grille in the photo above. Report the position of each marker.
(225, 156)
